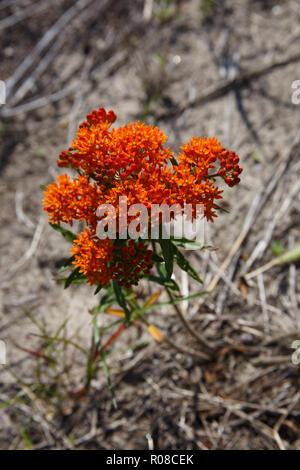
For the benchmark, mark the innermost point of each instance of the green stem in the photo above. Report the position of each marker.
(183, 320)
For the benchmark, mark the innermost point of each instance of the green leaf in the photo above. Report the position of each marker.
(137, 347)
(277, 248)
(222, 209)
(25, 436)
(121, 299)
(290, 256)
(98, 289)
(29, 315)
(67, 234)
(168, 254)
(163, 304)
(108, 327)
(66, 264)
(181, 299)
(185, 265)
(43, 187)
(75, 278)
(189, 244)
(161, 268)
(156, 258)
(61, 340)
(106, 301)
(169, 283)
(257, 157)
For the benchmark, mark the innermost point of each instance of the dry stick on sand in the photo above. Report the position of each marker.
(220, 90)
(257, 206)
(30, 251)
(292, 283)
(148, 10)
(21, 216)
(281, 420)
(186, 324)
(286, 258)
(31, 10)
(29, 83)
(7, 3)
(39, 102)
(43, 64)
(263, 244)
(38, 406)
(230, 71)
(107, 66)
(181, 349)
(234, 406)
(78, 98)
(27, 410)
(262, 295)
(44, 42)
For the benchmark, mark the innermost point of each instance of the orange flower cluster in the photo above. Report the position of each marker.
(93, 257)
(130, 161)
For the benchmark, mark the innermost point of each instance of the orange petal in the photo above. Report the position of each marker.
(116, 311)
(157, 335)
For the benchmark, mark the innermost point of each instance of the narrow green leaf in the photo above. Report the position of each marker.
(290, 256)
(34, 321)
(189, 244)
(18, 398)
(106, 301)
(185, 265)
(67, 234)
(161, 269)
(25, 436)
(169, 283)
(98, 289)
(277, 248)
(108, 327)
(66, 264)
(121, 299)
(163, 304)
(55, 339)
(75, 278)
(219, 208)
(156, 258)
(168, 254)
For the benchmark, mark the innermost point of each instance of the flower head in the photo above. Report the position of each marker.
(131, 161)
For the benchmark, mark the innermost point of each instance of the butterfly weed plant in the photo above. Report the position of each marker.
(119, 175)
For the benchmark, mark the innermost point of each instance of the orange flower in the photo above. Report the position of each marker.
(202, 154)
(131, 161)
(66, 200)
(60, 200)
(93, 257)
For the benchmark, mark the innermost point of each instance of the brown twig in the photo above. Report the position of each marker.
(186, 324)
(221, 89)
